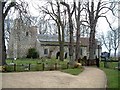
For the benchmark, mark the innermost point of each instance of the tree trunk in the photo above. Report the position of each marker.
(62, 45)
(92, 44)
(71, 45)
(77, 44)
(4, 47)
(109, 52)
(115, 53)
(61, 51)
(61, 42)
(1, 31)
(92, 21)
(77, 51)
(3, 52)
(61, 37)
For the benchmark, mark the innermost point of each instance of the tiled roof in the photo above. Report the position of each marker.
(53, 40)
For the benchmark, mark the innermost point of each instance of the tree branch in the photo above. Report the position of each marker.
(111, 9)
(12, 4)
(73, 8)
(97, 11)
(107, 22)
(53, 9)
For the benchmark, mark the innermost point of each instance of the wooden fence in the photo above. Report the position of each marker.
(35, 67)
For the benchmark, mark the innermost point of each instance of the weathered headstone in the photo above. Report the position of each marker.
(106, 56)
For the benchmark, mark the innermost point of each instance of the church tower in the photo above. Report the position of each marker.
(22, 38)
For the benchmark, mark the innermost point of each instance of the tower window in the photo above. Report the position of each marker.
(26, 33)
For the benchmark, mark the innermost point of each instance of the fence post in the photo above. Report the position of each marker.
(14, 67)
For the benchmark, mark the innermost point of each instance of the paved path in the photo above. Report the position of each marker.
(89, 78)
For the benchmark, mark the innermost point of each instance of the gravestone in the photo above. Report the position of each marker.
(106, 57)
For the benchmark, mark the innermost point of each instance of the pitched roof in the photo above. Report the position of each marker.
(46, 39)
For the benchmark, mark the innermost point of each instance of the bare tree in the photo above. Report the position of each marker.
(5, 9)
(115, 40)
(71, 44)
(78, 11)
(107, 41)
(93, 16)
(4, 14)
(56, 15)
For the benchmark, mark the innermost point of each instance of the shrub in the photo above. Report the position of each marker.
(32, 53)
(8, 68)
(35, 55)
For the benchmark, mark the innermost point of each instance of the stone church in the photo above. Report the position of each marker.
(24, 37)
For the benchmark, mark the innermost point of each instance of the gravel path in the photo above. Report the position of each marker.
(90, 78)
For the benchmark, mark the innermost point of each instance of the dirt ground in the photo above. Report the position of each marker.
(90, 78)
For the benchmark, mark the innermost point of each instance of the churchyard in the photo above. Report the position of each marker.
(44, 64)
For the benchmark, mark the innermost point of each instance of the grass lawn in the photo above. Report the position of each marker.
(37, 65)
(73, 71)
(112, 74)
